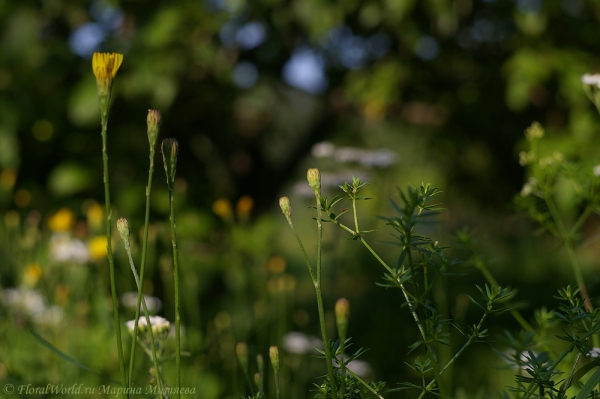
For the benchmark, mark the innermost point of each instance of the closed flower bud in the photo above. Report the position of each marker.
(123, 227)
(241, 351)
(342, 310)
(170, 147)
(257, 379)
(286, 208)
(153, 120)
(314, 180)
(274, 356)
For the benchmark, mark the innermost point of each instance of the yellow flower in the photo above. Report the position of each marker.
(97, 248)
(62, 220)
(32, 274)
(105, 67)
(222, 208)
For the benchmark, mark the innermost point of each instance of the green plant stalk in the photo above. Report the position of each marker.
(479, 264)
(565, 236)
(342, 364)
(143, 261)
(104, 102)
(309, 267)
(320, 307)
(277, 390)
(135, 326)
(374, 392)
(176, 283)
(456, 356)
(430, 349)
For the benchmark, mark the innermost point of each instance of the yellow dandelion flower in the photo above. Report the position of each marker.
(32, 274)
(105, 67)
(97, 248)
(62, 220)
(222, 208)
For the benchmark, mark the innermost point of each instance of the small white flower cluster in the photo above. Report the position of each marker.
(381, 158)
(595, 353)
(31, 304)
(300, 343)
(160, 326)
(555, 159)
(359, 367)
(591, 79)
(529, 187)
(328, 181)
(65, 248)
(129, 300)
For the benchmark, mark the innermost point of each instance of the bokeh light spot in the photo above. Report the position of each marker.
(22, 198)
(42, 130)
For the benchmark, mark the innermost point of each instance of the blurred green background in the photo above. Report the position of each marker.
(256, 92)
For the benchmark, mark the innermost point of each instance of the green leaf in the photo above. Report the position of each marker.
(69, 358)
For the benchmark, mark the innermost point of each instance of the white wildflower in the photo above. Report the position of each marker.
(591, 79)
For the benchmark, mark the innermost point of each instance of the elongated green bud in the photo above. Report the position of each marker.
(257, 379)
(274, 356)
(314, 180)
(123, 227)
(170, 147)
(342, 311)
(153, 120)
(286, 208)
(241, 351)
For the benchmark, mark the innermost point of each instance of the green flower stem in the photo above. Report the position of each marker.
(135, 326)
(308, 265)
(277, 389)
(479, 264)
(176, 282)
(321, 310)
(143, 260)
(111, 262)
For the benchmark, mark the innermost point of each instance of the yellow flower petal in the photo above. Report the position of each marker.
(106, 65)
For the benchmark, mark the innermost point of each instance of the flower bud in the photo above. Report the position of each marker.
(170, 148)
(274, 356)
(286, 208)
(153, 121)
(342, 310)
(241, 351)
(257, 379)
(314, 180)
(123, 227)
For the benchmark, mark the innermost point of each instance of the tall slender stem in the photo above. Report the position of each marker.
(143, 259)
(176, 279)
(111, 261)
